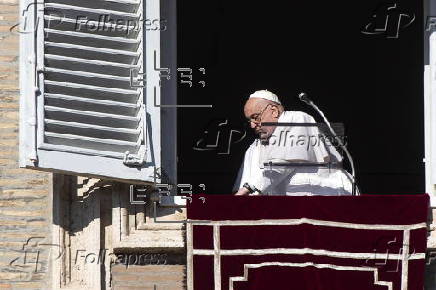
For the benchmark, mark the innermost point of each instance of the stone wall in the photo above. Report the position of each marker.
(154, 277)
(24, 194)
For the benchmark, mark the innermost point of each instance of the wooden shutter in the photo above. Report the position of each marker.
(79, 111)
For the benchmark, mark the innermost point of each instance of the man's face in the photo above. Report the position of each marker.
(259, 111)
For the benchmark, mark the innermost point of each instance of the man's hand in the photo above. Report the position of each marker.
(242, 191)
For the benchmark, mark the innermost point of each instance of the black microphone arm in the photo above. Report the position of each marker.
(304, 98)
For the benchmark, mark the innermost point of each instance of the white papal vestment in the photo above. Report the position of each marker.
(293, 144)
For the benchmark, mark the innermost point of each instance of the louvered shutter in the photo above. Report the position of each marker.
(79, 111)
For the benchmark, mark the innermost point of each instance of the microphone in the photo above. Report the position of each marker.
(304, 98)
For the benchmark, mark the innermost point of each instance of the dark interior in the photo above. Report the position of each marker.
(373, 83)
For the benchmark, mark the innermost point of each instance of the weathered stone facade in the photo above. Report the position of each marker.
(25, 211)
(170, 277)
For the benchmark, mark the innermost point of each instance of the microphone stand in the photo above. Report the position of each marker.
(303, 97)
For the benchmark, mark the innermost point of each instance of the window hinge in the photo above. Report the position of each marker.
(135, 159)
(33, 158)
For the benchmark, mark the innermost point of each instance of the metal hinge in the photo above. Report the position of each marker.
(135, 160)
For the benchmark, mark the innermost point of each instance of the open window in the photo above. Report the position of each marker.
(84, 109)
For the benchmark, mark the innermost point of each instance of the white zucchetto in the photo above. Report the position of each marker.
(266, 95)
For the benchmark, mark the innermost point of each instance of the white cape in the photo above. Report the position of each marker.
(294, 144)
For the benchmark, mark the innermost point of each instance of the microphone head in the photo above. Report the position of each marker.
(304, 98)
(302, 95)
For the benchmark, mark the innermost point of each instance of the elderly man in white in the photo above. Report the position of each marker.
(255, 177)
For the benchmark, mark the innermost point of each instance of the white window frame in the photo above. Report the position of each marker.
(430, 119)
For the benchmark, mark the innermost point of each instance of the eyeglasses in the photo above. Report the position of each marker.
(256, 118)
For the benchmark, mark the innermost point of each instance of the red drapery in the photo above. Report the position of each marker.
(315, 242)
